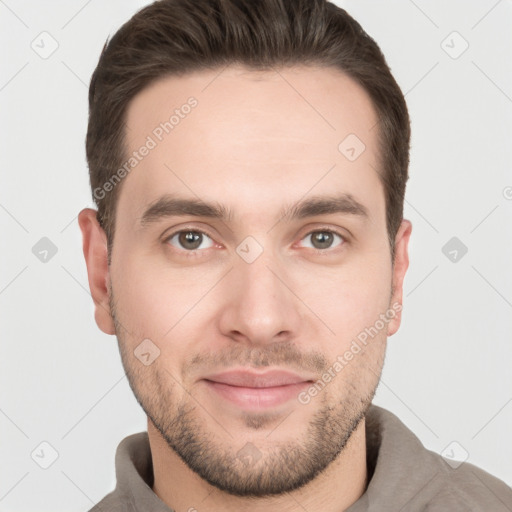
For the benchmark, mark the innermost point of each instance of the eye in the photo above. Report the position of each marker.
(190, 240)
(323, 239)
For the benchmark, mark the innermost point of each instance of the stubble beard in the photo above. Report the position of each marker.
(250, 471)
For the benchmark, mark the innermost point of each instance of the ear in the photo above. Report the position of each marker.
(95, 253)
(400, 266)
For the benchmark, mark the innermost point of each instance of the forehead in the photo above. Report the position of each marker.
(251, 139)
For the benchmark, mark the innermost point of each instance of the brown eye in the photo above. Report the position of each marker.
(323, 239)
(190, 240)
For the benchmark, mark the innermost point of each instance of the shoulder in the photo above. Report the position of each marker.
(114, 502)
(469, 488)
(414, 478)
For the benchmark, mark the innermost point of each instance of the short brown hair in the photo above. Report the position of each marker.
(173, 37)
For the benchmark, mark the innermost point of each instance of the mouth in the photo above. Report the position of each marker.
(256, 391)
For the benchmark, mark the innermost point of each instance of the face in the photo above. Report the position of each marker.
(251, 287)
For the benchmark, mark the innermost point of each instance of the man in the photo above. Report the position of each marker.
(249, 163)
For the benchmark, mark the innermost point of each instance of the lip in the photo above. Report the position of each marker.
(255, 391)
(251, 379)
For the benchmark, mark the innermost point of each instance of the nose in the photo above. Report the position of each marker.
(260, 306)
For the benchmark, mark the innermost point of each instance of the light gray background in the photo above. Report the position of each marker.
(447, 373)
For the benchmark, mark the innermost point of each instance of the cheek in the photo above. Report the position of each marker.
(154, 300)
(352, 298)
(165, 306)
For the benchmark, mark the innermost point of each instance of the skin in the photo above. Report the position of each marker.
(257, 142)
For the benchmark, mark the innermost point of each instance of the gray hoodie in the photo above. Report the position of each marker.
(403, 476)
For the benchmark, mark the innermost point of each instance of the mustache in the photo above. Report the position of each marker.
(281, 354)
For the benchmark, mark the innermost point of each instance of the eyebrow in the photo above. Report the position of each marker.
(172, 206)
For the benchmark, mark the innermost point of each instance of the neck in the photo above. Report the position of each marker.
(334, 490)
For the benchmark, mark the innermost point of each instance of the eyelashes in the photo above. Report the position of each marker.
(191, 241)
